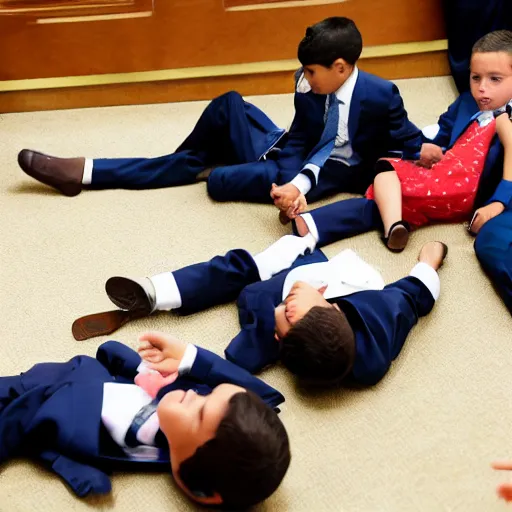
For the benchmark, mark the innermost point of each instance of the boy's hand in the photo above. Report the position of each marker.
(484, 214)
(297, 207)
(162, 352)
(504, 490)
(504, 129)
(284, 195)
(430, 154)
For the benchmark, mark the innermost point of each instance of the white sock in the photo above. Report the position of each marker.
(167, 293)
(282, 254)
(87, 177)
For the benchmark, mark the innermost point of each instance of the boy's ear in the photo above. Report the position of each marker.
(206, 498)
(340, 65)
(202, 496)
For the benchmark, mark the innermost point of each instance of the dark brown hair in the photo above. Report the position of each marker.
(320, 347)
(497, 41)
(246, 460)
(330, 39)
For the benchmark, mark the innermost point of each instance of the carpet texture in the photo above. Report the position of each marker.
(421, 440)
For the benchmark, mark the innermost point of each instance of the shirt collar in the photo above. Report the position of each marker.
(344, 93)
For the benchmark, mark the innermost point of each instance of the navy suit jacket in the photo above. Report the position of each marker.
(378, 124)
(380, 319)
(452, 125)
(53, 412)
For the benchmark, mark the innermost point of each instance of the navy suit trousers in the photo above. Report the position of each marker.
(230, 133)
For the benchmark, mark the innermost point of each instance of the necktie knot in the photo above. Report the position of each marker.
(333, 100)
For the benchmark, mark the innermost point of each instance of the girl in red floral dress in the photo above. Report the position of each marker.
(409, 195)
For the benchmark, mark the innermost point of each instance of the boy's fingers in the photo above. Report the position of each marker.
(148, 352)
(144, 345)
(273, 192)
(155, 338)
(502, 464)
(152, 356)
(165, 366)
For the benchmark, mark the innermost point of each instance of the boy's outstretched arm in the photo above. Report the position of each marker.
(502, 196)
(167, 354)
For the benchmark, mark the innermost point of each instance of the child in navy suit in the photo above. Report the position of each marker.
(327, 321)
(341, 127)
(347, 118)
(209, 421)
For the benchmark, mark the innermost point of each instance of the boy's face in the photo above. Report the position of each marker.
(326, 80)
(491, 79)
(296, 305)
(189, 420)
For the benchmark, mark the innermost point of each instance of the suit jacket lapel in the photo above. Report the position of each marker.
(356, 105)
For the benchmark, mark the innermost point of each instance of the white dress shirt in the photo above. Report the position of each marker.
(342, 151)
(344, 274)
(121, 403)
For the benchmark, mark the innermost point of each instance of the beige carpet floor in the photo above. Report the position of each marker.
(421, 440)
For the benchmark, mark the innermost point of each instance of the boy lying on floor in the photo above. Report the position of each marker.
(179, 407)
(327, 321)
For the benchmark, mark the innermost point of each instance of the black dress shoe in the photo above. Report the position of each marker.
(398, 236)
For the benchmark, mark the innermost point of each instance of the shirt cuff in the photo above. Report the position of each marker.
(167, 293)
(312, 172)
(302, 182)
(188, 359)
(311, 224)
(428, 276)
(503, 193)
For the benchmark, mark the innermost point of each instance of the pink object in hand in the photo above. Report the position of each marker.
(151, 383)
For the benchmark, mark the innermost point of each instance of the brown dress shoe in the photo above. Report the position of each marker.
(64, 174)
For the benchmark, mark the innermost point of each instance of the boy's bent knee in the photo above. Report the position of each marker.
(228, 97)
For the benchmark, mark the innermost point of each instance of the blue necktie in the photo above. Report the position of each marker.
(321, 152)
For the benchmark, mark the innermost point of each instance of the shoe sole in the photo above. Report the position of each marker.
(127, 294)
(398, 239)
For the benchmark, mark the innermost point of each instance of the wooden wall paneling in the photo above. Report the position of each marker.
(32, 10)
(188, 33)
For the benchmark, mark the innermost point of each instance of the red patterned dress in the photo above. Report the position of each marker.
(446, 192)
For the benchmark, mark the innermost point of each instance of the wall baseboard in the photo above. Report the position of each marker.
(414, 65)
